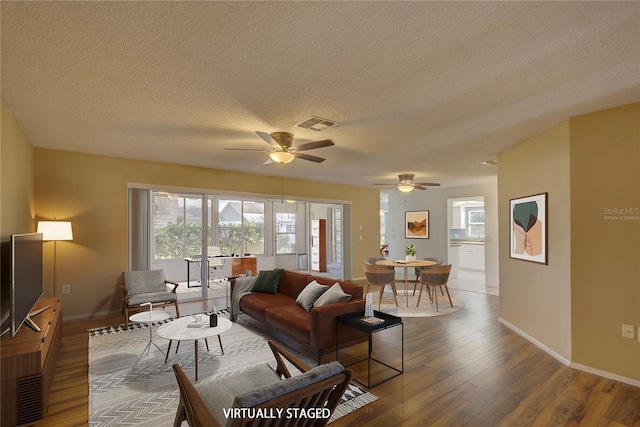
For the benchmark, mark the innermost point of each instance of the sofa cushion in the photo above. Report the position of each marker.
(268, 281)
(292, 283)
(333, 295)
(310, 294)
(255, 304)
(291, 320)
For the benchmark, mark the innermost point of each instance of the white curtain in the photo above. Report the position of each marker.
(139, 229)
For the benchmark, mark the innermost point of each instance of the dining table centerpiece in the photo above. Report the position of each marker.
(410, 253)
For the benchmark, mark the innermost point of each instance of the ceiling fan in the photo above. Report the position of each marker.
(283, 150)
(406, 184)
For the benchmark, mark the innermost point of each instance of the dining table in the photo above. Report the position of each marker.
(405, 264)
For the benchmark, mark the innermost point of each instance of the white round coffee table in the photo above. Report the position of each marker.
(177, 330)
(149, 317)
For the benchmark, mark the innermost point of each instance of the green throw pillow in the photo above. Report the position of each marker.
(268, 281)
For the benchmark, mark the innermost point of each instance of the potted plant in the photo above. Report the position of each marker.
(410, 253)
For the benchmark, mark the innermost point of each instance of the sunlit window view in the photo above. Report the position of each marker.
(240, 227)
(285, 233)
(177, 225)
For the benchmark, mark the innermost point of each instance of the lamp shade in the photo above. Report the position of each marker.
(281, 156)
(55, 230)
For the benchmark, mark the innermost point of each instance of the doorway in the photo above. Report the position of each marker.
(466, 249)
(290, 235)
(326, 240)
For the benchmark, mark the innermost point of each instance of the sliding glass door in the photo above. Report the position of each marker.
(240, 227)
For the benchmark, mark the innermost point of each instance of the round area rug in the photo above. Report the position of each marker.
(426, 309)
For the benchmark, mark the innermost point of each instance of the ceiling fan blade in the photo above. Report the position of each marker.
(268, 139)
(313, 145)
(247, 149)
(419, 187)
(386, 184)
(430, 184)
(315, 159)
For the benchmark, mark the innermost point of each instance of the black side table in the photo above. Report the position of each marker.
(355, 321)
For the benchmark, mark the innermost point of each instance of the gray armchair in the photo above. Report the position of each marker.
(204, 404)
(146, 286)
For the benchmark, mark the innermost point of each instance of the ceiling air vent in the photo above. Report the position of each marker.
(316, 123)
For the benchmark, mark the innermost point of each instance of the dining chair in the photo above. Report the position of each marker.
(436, 277)
(380, 276)
(437, 261)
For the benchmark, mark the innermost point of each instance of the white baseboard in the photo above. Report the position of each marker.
(528, 337)
(606, 374)
(567, 362)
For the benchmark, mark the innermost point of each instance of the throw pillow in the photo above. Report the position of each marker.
(268, 281)
(333, 295)
(310, 294)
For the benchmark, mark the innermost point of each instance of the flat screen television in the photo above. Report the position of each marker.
(25, 281)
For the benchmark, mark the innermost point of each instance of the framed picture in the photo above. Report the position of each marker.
(528, 223)
(416, 225)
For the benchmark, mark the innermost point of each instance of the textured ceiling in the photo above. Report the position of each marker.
(430, 88)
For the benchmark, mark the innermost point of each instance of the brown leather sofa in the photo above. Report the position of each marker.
(312, 333)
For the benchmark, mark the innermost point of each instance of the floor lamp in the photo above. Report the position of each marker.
(55, 230)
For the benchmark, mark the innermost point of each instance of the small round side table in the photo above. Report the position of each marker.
(149, 317)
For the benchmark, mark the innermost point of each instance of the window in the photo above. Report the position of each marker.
(475, 223)
(240, 227)
(177, 225)
(285, 233)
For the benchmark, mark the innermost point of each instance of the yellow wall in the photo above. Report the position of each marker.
(605, 254)
(17, 206)
(587, 164)
(91, 192)
(536, 298)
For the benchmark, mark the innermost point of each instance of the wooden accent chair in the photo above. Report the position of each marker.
(436, 277)
(438, 262)
(146, 286)
(204, 404)
(380, 276)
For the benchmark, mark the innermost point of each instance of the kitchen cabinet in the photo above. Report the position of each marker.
(454, 260)
(472, 256)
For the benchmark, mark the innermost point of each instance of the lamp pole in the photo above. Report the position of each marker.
(55, 230)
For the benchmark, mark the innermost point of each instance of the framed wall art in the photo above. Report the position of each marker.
(416, 225)
(528, 223)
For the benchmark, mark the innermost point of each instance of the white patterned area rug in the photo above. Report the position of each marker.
(148, 395)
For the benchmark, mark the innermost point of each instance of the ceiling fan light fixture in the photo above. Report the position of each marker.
(405, 188)
(281, 156)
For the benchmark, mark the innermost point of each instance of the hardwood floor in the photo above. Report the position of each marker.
(461, 369)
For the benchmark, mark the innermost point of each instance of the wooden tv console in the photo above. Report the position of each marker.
(28, 363)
